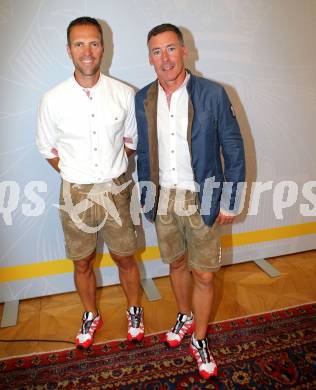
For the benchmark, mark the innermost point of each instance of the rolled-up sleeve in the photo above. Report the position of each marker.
(46, 131)
(130, 128)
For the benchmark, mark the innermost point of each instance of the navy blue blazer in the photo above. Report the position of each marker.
(213, 131)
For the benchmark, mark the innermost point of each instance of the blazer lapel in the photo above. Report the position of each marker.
(150, 106)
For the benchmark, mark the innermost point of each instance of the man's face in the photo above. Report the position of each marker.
(166, 54)
(86, 51)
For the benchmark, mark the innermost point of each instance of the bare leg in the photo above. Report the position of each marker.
(181, 282)
(129, 277)
(85, 282)
(202, 299)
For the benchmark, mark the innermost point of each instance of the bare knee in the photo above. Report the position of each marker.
(124, 263)
(203, 278)
(85, 264)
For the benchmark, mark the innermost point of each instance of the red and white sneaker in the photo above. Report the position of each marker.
(89, 326)
(206, 363)
(135, 326)
(184, 325)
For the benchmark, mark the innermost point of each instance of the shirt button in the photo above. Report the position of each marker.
(92, 115)
(95, 149)
(171, 115)
(96, 165)
(116, 118)
(172, 151)
(173, 169)
(172, 133)
(94, 132)
(90, 98)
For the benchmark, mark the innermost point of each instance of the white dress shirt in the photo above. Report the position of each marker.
(175, 168)
(87, 129)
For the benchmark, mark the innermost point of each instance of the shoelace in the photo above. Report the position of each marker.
(135, 320)
(86, 326)
(179, 324)
(204, 354)
(203, 351)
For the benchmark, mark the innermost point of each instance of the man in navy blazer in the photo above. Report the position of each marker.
(185, 125)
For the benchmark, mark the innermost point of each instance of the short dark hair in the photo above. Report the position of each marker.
(163, 28)
(84, 20)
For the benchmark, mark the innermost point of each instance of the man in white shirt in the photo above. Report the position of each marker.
(86, 131)
(185, 123)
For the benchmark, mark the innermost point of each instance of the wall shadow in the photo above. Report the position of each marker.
(251, 161)
(109, 52)
(108, 47)
(193, 54)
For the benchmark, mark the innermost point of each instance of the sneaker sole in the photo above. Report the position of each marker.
(136, 339)
(80, 347)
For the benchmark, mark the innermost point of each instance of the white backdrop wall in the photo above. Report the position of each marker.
(262, 51)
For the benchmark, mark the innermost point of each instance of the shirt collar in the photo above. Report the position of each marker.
(75, 82)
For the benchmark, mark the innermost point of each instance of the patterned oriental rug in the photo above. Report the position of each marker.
(274, 350)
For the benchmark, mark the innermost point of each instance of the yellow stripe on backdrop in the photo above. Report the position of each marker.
(56, 267)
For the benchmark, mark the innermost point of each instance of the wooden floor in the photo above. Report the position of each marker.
(241, 289)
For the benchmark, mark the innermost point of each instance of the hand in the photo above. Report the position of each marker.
(223, 219)
(54, 163)
(128, 151)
